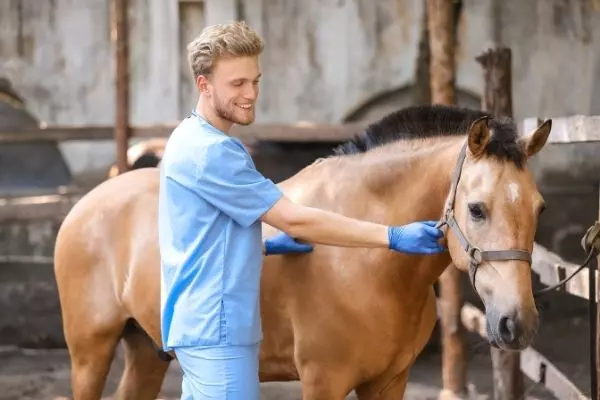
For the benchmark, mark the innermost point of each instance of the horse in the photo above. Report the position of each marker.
(144, 154)
(338, 319)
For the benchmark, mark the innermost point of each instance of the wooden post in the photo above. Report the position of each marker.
(497, 99)
(595, 390)
(119, 36)
(443, 72)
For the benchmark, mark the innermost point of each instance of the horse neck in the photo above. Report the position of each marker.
(411, 179)
(411, 182)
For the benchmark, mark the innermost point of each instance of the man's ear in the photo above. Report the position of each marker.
(202, 84)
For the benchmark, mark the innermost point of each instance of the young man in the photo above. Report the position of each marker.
(212, 202)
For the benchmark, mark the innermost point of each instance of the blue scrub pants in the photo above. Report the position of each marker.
(219, 373)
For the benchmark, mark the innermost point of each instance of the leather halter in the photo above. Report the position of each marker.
(476, 255)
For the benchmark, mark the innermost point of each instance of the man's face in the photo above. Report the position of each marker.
(232, 88)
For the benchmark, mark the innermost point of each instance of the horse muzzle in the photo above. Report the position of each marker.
(512, 330)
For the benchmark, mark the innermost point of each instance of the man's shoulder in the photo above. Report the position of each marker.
(192, 139)
(195, 133)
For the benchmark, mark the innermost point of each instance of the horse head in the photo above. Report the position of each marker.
(492, 212)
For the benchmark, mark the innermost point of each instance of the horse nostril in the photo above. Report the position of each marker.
(507, 330)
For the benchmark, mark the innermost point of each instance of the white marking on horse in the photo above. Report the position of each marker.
(513, 191)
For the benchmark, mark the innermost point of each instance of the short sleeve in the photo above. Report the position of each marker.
(226, 178)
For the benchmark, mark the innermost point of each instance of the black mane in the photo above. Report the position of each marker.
(437, 121)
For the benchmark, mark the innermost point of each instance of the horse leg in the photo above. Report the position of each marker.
(91, 355)
(388, 387)
(321, 383)
(144, 372)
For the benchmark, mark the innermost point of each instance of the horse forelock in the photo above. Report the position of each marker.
(411, 124)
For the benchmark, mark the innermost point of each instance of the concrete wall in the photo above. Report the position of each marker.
(324, 58)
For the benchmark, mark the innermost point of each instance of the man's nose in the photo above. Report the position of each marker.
(251, 93)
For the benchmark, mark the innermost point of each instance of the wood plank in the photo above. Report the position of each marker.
(299, 132)
(551, 269)
(533, 364)
(540, 370)
(51, 206)
(573, 129)
(564, 130)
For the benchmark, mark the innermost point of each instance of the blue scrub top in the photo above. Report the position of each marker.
(210, 201)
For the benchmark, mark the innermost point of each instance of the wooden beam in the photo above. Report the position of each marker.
(299, 132)
(537, 367)
(570, 130)
(119, 36)
(551, 269)
(51, 206)
(497, 99)
(573, 129)
(442, 75)
(595, 323)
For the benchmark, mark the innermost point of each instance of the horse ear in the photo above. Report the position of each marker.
(479, 136)
(536, 140)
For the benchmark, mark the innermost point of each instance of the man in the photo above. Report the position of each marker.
(212, 202)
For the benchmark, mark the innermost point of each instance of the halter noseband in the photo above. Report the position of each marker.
(476, 255)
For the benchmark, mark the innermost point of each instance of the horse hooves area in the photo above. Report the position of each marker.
(44, 374)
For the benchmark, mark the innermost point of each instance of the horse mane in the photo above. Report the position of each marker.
(420, 122)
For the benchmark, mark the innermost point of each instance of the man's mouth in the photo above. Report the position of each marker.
(245, 106)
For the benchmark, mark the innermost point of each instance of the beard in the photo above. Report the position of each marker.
(232, 113)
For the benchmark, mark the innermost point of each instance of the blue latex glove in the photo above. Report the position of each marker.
(416, 238)
(282, 243)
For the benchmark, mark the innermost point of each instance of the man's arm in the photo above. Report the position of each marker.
(245, 195)
(325, 227)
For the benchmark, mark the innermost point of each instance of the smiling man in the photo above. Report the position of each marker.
(211, 204)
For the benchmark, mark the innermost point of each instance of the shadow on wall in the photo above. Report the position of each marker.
(27, 168)
(384, 103)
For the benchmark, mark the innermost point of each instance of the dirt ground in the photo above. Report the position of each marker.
(44, 374)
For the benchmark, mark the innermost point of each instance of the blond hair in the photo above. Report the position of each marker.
(223, 40)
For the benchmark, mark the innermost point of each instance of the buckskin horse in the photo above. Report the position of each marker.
(338, 319)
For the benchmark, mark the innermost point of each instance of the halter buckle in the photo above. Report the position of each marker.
(475, 255)
(448, 214)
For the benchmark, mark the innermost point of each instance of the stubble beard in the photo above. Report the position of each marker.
(228, 113)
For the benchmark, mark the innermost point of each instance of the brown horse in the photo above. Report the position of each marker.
(339, 318)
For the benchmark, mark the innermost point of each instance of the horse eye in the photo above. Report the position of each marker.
(477, 211)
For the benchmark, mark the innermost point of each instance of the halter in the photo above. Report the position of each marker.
(476, 255)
